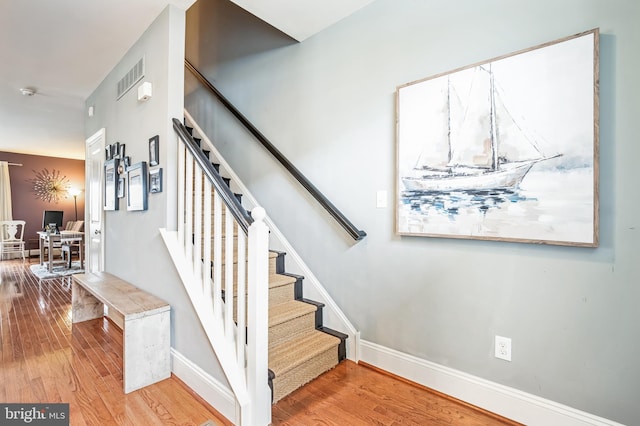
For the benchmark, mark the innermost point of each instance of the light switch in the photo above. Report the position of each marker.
(381, 199)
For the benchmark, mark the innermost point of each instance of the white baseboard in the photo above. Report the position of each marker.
(503, 400)
(210, 389)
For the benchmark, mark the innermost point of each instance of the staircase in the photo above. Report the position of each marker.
(300, 348)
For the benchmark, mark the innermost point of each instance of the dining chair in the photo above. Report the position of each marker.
(71, 244)
(12, 237)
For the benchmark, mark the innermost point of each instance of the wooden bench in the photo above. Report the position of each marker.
(146, 324)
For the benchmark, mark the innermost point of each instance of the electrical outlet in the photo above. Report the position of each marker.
(503, 348)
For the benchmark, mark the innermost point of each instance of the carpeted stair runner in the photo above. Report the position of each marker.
(300, 360)
(281, 289)
(290, 319)
(298, 351)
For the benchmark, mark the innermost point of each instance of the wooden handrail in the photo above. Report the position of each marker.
(239, 213)
(320, 198)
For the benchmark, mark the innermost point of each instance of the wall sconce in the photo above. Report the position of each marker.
(145, 91)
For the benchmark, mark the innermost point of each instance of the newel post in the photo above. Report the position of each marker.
(258, 319)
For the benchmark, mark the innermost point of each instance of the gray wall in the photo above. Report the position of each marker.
(328, 104)
(134, 249)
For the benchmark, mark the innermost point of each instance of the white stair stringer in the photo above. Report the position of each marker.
(223, 347)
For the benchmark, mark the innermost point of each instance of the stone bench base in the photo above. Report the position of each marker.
(146, 324)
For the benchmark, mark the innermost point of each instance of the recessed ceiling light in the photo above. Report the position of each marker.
(28, 91)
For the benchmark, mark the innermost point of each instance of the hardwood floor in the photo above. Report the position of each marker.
(353, 394)
(44, 359)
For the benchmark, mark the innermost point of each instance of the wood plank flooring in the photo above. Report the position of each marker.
(353, 394)
(44, 359)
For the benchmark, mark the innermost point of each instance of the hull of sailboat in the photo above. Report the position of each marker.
(509, 176)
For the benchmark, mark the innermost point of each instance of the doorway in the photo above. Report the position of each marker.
(94, 215)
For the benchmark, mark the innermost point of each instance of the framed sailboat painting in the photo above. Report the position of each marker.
(504, 150)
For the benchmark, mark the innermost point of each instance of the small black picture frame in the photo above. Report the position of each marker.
(115, 150)
(121, 184)
(137, 186)
(154, 151)
(155, 180)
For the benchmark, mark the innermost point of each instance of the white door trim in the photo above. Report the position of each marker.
(93, 199)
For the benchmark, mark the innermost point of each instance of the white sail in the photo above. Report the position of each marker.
(427, 118)
(471, 139)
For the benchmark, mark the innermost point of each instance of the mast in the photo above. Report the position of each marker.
(494, 131)
(449, 153)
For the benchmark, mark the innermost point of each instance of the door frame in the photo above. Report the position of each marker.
(98, 138)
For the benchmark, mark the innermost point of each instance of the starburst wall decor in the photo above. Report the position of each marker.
(50, 186)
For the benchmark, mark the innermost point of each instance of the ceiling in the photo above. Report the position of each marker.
(63, 49)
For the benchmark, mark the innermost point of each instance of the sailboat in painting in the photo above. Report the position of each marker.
(473, 142)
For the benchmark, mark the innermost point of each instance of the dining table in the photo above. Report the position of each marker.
(50, 240)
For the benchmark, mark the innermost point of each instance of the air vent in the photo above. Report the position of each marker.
(134, 75)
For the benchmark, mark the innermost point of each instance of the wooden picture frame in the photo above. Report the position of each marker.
(111, 185)
(137, 186)
(154, 150)
(504, 150)
(155, 180)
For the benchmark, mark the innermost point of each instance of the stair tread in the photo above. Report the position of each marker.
(279, 280)
(275, 281)
(287, 311)
(235, 255)
(299, 350)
